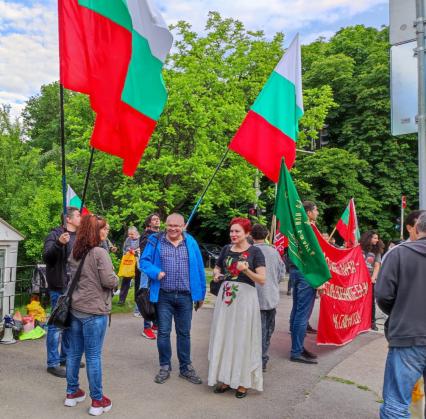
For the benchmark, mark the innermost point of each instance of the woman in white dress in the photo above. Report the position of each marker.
(235, 349)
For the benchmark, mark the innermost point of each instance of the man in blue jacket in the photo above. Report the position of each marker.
(173, 263)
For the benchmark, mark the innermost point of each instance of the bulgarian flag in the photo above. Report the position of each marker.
(347, 226)
(73, 200)
(269, 131)
(114, 51)
(303, 247)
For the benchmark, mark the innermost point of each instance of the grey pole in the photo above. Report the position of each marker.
(420, 31)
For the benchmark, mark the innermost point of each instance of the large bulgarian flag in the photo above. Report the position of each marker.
(269, 131)
(347, 226)
(114, 51)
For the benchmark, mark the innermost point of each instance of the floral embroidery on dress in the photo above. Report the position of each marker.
(229, 293)
(231, 265)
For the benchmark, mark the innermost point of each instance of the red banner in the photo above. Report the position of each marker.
(345, 308)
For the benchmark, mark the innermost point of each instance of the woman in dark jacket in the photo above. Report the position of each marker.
(90, 307)
(372, 250)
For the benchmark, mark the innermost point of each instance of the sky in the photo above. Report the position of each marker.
(29, 40)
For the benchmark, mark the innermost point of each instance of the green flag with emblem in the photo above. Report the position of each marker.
(303, 248)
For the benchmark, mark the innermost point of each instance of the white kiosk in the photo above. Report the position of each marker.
(9, 240)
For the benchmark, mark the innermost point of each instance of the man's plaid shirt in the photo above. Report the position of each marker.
(175, 263)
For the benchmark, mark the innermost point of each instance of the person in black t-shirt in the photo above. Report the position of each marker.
(236, 334)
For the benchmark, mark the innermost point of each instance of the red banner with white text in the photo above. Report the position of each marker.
(345, 308)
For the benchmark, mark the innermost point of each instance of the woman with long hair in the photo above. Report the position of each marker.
(372, 249)
(235, 349)
(90, 307)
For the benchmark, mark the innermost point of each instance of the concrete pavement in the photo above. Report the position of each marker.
(345, 384)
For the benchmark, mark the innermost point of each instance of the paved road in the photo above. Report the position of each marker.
(130, 363)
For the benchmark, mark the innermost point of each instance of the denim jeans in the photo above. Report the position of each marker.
(303, 300)
(55, 337)
(177, 305)
(404, 366)
(268, 326)
(86, 335)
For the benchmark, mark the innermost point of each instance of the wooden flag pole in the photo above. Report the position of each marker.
(332, 233)
(273, 230)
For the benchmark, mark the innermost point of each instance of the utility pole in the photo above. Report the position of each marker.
(421, 119)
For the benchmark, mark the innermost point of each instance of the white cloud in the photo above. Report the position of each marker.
(28, 50)
(271, 16)
(29, 45)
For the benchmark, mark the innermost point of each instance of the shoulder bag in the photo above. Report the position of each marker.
(60, 313)
(142, 298)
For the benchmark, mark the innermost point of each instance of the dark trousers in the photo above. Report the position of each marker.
(178, 306)
(268, 326)
(124, 289)
(137, 280)
(373, 309)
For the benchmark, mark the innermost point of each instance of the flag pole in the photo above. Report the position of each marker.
(206, 189)
(62, 124)
(274, 219)
(86, 180)
(62, 134)
(332, 233)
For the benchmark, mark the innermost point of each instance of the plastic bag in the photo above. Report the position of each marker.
(127, 266)
(37, 311)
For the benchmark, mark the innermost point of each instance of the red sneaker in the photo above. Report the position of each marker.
(72, 399)
(154, 328)
(148, 333)
(100, 406)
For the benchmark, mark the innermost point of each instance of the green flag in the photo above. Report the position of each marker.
(303, 248)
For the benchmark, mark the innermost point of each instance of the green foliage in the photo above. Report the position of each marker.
(213, 78)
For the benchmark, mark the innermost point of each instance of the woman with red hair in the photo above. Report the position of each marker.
(90, 307)
(235, 349)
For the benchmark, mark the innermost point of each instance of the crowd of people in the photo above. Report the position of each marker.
(248, 271)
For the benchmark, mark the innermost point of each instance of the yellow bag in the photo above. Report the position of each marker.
(127, 266)
(37, 311)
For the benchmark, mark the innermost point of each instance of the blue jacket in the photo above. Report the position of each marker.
(150, 263)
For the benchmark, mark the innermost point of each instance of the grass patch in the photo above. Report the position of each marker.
(340, 380)
(352, 383)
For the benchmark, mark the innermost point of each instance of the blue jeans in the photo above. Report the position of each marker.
(86, 335)
(303, 300)
(178, 305)
(55, 337)
(404, 366)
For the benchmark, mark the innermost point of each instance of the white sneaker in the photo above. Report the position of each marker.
(72, 399)
(100, 406)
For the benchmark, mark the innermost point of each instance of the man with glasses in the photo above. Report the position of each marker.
(173, 262)
(57, 249)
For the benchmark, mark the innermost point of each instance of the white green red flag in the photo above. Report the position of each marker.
(114, 51)
(270, 129)
(73, 200)
(347, 226)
